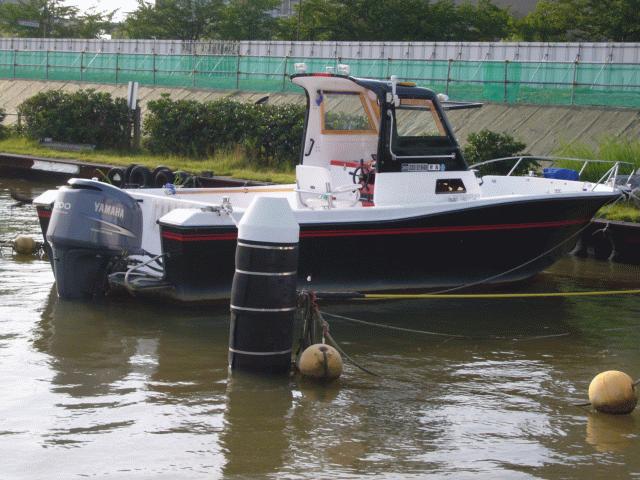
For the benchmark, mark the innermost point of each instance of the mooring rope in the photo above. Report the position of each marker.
(312, 319)
(391, 327)
(490, 296)
(449, 336)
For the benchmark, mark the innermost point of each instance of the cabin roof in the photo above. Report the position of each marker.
(380, 87)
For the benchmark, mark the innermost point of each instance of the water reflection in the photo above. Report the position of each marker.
(89, 357)
(612, 433)
(256, 435)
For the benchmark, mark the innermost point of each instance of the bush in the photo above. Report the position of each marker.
(4, 131)
(487, 145)
(271, 134)
(85, 116)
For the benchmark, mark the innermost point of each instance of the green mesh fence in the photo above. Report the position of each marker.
(494, 81)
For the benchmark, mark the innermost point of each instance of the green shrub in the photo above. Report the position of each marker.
(270, 134)
(85, 116)
(487, 145)
(4, 131)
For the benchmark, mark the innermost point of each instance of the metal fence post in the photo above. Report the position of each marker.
(117, 65)
(81, 65)
(574, 82)
(154, 66)
(506, 80)
(238, 72)
(284, 73)
(193, 67)
(15, 62)
(46, 65)
(446, 90)
(388, 66)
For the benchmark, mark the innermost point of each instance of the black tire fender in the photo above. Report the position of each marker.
(161, 176)
(140, 176)
(117, 177)
(127, 172)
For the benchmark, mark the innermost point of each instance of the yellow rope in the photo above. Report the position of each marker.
(410, 296)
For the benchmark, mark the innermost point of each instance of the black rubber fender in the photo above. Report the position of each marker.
(140, 176)
(117, 177)
(127, 172)
(161, 176)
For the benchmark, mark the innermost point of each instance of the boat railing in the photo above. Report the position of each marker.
(608, 177)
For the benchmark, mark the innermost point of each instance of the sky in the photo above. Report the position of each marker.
(124, 6)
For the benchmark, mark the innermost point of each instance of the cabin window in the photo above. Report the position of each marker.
(450, 185)
(345, 113)
(416, 117)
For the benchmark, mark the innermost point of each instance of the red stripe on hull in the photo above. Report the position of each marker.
(200, 237)
(44, 213)
(446, 229)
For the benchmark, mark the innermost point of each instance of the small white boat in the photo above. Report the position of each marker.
(383, 197)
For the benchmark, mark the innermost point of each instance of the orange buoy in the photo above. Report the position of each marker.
(320, 361)
(613, 392)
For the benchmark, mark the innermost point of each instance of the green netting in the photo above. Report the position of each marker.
(494, 81)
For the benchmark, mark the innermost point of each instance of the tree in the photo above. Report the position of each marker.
(312, 20)
(397, 20)
(247, 20)
(613, 20)
(484, 22)
(583, 20)
(172, 19)
(551, 21)
(53, 19)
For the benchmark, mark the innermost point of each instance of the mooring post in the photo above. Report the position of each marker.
(263, 294)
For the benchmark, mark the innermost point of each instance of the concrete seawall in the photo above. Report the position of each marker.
(542, 128)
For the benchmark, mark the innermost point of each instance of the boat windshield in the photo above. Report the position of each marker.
(420, 140)
(345, 113)
(417, 118)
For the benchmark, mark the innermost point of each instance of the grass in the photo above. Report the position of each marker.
(622, 212)
(610, 148)
(231, 163)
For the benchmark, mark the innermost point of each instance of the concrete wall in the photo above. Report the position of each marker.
(542, 128)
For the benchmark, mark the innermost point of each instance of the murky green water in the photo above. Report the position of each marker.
(123, 390)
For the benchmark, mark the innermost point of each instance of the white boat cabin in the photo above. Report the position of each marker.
(370, 142)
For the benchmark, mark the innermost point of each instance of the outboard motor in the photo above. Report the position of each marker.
(92, 225)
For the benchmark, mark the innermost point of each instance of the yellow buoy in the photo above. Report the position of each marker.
(24, 245)
(613, 392)
(320, 361)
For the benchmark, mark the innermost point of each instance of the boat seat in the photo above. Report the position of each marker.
(314, 189)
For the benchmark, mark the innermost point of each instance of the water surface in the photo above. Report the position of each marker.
(120, 389)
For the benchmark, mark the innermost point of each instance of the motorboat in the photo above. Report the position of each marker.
(383, 196)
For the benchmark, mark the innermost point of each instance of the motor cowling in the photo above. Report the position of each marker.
(92, 223)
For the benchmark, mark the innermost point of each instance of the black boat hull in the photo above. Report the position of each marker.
(489, 244)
